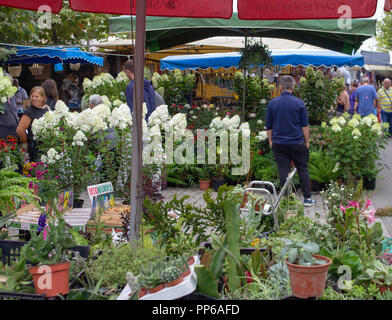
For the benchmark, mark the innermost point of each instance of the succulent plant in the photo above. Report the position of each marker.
(150, 277)
(171, 273)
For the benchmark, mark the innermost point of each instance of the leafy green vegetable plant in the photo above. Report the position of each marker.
(299, 252)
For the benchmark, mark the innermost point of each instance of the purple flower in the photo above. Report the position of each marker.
(41, 222)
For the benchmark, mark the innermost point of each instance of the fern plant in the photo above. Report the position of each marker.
(14, 187)
(321, 167)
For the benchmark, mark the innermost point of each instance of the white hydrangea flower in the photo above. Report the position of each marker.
(79, 138)
(356, 133)
(353, 123)
(262, 136)
(336, 128)
(341, 121)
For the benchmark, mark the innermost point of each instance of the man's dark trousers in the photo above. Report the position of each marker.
(299, 154)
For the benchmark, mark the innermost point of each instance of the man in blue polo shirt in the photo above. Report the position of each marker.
(365, 99)
(288, 135)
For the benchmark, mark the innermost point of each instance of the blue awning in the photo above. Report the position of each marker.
(53, 55)
(282, 58)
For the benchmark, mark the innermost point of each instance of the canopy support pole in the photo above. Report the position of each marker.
(245, 82)
(137, 132)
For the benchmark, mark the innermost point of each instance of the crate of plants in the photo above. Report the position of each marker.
(110, 219)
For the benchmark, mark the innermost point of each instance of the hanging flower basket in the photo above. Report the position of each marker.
(36, 69)
(15, 71)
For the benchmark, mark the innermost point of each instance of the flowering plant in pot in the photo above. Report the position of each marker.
(47, 253)
(308, 271)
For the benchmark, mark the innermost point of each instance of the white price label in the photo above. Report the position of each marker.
(25, 226)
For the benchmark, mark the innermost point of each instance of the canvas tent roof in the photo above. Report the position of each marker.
(294, 58)
(164, 33)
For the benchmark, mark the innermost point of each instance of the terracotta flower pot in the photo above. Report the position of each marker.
(156, 289)
(204, 184)
(174, 282)
(308, 281)
(142, 292)
(51, 280)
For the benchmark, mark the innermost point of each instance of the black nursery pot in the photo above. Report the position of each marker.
(315, 185)
(216, 183)
(78, 203)
(369, 184)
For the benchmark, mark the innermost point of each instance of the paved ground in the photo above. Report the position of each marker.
(382, 196)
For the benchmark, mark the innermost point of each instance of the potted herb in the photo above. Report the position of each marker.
(47, 253)
(308, 271)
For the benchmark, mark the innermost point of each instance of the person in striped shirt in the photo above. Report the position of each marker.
(385, 103)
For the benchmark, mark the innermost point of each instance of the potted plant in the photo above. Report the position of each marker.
(172, 275)
(308, 271)
(47, 253)
(204, 177)
(219, 179)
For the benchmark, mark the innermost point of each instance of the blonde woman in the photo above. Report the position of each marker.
(37, 109)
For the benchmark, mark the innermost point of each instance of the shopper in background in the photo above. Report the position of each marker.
(148, 94)
(385, 103)
(8, 119)
(51, 92)
(365, 99)
(288, 134)
(37, 109)
(20, 96)
(94, 100)
(354, 87)
(343, 101)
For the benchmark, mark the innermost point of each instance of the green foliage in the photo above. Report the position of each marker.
(257, 97)
(300, 252)
(151, 275)
(81, 272)
(319, 93)
(174, 87)
(264, 168)
(14, 187)
(51, 250)
(114, 263)
(230, 208)
(384, 34)
(254, 54)
(322, 167)
(379, 273)
(342, 256)
(171, 272)
(355, 144)
(18, 278)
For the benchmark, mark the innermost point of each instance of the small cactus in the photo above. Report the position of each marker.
(171, 273)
